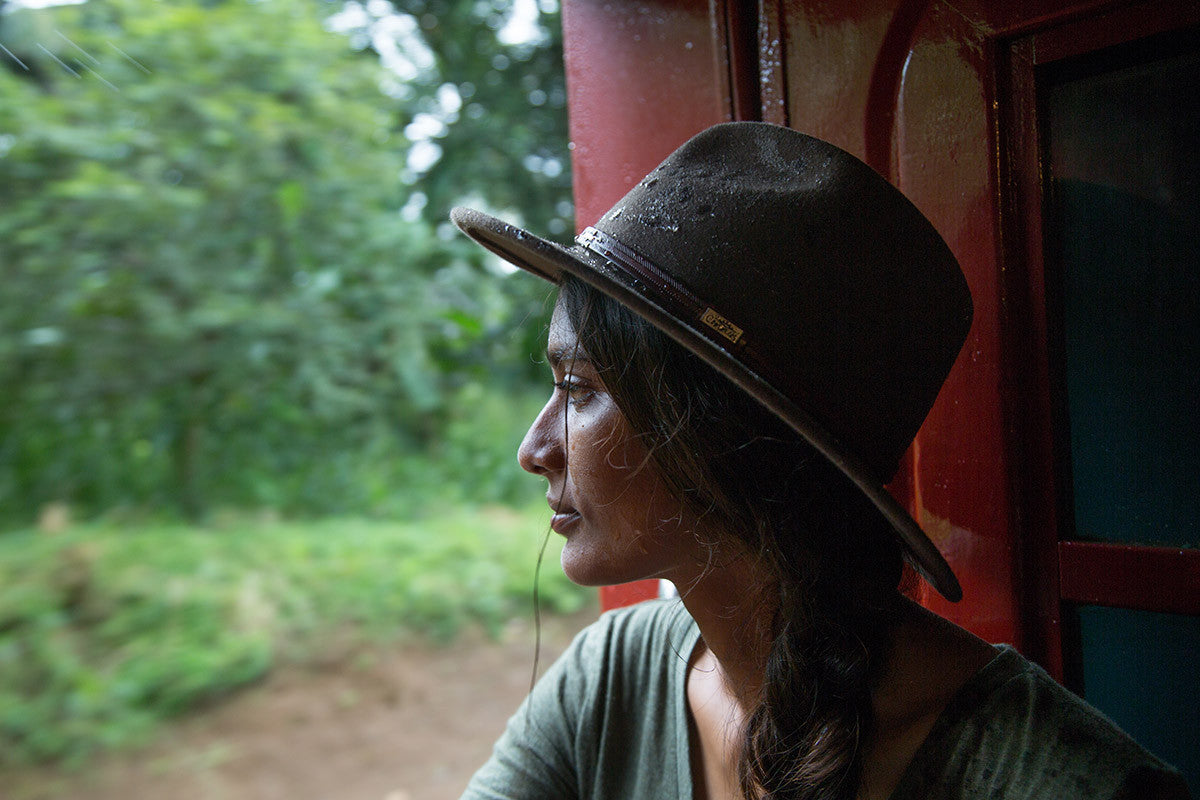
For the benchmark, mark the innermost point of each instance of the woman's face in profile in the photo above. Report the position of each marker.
(619, 520)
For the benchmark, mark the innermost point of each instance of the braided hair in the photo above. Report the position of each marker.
(835, 561)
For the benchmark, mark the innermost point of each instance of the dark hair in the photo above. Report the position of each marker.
(836, 561)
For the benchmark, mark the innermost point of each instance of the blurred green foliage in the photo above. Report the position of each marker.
(106, 630)
(227, 276)
(229, 292)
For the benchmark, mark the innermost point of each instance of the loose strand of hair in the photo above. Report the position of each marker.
(537, 609)
(537, 568)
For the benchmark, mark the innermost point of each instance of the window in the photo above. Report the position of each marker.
(1105, 128)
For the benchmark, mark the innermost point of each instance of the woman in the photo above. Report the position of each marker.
(742, 350)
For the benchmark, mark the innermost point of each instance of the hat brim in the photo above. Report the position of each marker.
(549, 260)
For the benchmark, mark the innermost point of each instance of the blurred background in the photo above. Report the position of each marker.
(259, 401)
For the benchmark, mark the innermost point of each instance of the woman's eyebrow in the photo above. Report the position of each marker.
(557, 355)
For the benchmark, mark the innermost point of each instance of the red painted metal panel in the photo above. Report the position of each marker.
(642, 78)
(906, 85)
(942, 145)
(1128, 576)
(627, 594)
(829, 51)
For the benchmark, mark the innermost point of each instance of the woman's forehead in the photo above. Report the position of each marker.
(562, 343)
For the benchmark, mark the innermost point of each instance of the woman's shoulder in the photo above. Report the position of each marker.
(664, 615)
(1012, 731)
(647, 630)
(607, 719)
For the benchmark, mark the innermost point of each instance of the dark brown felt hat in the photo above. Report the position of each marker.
(798, 272)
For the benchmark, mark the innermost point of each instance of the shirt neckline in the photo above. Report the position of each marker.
(1001, 668)
(965, 703)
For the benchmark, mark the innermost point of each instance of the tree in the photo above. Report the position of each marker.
(486, 89)
(215, 276)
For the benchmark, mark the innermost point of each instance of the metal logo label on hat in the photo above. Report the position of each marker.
(721, 325)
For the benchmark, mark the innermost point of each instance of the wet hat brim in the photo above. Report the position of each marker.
(550, 260)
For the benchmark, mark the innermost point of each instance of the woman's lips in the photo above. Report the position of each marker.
(565, 516)
(562, 521)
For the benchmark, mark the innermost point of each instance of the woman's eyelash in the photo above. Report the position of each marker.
(577, 394)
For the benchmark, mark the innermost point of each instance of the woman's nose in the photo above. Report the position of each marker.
(541, 450)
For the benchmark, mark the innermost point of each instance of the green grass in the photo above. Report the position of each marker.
(105, 629)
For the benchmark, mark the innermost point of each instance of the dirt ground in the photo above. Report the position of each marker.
(410, 723)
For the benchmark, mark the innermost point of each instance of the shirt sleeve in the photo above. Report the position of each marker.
(537, 757)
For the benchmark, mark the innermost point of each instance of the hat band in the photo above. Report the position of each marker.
(642, 270)
(678, 301)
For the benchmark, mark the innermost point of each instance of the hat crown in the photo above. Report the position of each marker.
(845, 292)
(800, 274)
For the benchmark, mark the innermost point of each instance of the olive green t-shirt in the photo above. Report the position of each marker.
(609, 720)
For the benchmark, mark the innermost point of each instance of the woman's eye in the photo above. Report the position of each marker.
(577, 394)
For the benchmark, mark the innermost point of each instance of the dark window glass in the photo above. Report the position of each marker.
(1122, 138)
(1122, 135)
(1140, 669)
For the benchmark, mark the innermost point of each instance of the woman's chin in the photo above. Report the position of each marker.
(585, 569)
(581, 574)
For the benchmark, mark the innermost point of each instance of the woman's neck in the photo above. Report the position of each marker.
(734, 609)
(734, 606)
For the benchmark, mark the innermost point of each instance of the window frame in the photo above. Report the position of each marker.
(1059, 572)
